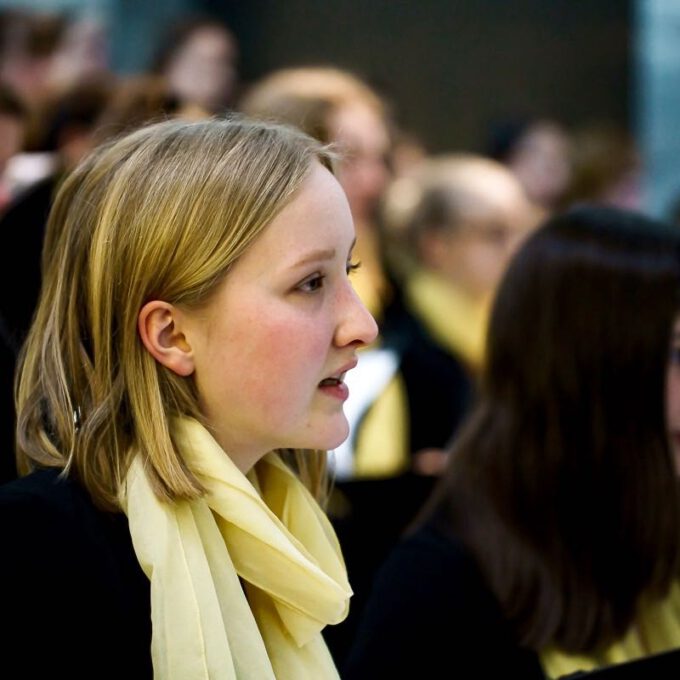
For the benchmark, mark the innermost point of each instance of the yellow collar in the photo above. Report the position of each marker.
(455, 320)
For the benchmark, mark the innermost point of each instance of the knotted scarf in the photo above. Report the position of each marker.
(242, 580)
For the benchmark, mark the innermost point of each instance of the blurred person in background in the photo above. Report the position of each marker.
(198, 58)
(538, 151)
(83, 54)
(606, 167)
(13, 123)
(68, 133)
(29, 47)
(408, 152)
(44, 55)
(136, 100)
(451, 228)
(551, 545)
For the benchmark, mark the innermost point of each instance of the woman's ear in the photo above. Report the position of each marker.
(161, 334)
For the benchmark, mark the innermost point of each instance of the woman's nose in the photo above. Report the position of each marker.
(357, 325)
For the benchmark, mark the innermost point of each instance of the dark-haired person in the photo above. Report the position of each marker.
(198, 58)
(552, 543)
(537, 150)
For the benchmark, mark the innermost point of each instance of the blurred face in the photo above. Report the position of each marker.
(474, 253)
(272, 347)
(362, 135)
(542, 164)
(203, 72)
(477, 254)
(673, 395)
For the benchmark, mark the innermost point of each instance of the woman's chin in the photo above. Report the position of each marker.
(334, 436)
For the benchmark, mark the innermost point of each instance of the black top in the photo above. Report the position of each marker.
(430, 615)
(374, 512)
(74, 601)
(23, 228)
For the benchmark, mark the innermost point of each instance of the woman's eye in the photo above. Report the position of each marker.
(352, 267)
(312, 284)
(675, 356)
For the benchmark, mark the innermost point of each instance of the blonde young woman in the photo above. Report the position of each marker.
(193, 332)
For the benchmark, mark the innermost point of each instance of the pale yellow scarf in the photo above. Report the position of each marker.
(266, 529)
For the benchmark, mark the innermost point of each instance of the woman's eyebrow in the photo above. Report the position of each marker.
(316, 256)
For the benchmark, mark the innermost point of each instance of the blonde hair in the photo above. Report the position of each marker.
(308, 97)
(439, 195)
(161, 213)
(275, 94)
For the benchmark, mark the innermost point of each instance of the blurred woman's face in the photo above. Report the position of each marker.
(362, 136)
(673, 395)
(542, 164)
(204, 72)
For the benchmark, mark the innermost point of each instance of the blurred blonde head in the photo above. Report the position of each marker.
(335, 106)
(459, 215)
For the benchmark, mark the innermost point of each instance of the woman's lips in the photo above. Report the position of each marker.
(334, 386)
(336, 390)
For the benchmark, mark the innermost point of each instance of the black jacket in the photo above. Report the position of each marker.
(430, 615)
(74, 601)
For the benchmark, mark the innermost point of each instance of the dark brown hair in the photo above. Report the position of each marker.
(562, 483)
(177, 34)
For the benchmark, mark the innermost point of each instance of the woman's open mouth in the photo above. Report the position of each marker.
(334, 387)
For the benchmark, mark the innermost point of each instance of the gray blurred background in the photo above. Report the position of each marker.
(452, 67)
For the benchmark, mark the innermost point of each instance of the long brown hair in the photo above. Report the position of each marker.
(562, 483)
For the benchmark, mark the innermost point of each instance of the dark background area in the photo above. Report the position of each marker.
(452, 67)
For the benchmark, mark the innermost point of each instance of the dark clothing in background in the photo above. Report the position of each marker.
(8, 359)
(376, 511)
(75, 602)
(23, 230)
(430, 615)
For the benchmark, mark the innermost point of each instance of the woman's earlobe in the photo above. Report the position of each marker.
(163, 338)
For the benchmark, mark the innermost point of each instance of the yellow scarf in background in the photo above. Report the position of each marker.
(369, 280)
(657, 630)
(455, 321)
(265, 531)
